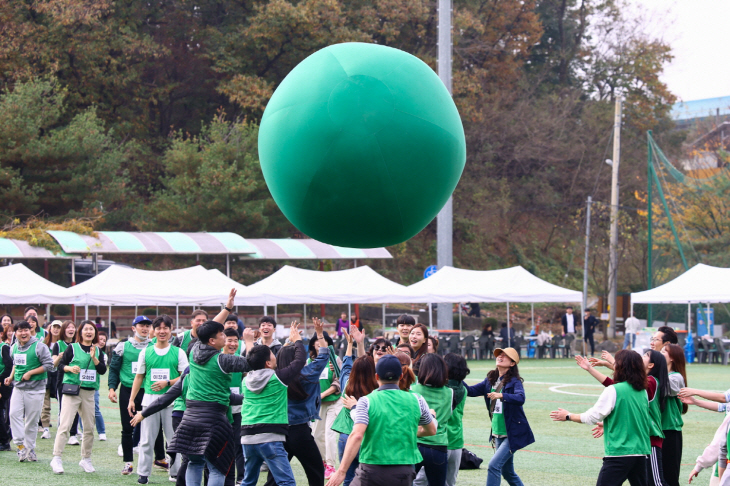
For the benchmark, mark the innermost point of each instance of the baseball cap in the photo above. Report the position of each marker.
(143, 319)
(511, 352)
(388, 368)
(56, 323)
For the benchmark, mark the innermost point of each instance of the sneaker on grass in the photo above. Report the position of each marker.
(163, 464)
(22, 454)
(73, 440)
(102, 437)
(127, 469)
(46, 434)
(57, 465)
(85, 464)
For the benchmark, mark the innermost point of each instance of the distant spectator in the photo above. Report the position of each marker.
(487, 331)
(433, 345)
(474, 309)
(508, 339)
(342, 323)
(589, 326)
(632, 326)
(355, 321)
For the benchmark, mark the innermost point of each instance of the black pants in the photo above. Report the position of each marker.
(589, 339)
(672, 456)
(372, 475)
(127, 429)
(180, 481)
(654, 468)
(435, 463)
(5, 434)
(616, 470)
(240, 460)
(300, 444)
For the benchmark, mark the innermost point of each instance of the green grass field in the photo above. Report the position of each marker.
(564, 454)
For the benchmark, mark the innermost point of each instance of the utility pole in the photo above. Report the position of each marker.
(444, 220)
(613, 246)
(584, 307)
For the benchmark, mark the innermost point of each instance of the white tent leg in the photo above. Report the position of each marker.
(48, 314)
(86, 312)
(349, 311)
(305, 319)
(707, 317)
(459, 311)
(583, 328)
(135, 311)
(109, 324)
(689, 318)
(265, 310)
(430, 317)
(383, 320)
(276, 309)
(177, 317)
(532, 317)
(509, 337)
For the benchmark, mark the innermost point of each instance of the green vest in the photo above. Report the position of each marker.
(672, 415)
(343, 423)
(179, 404)
(241, 347)
(455, 427)
(439, 399)
(130, 359)
(25, 361)
(208, 383)
(390, 438)
(41, 334)
(2, 365)
(267, 407)
(185, 342)
(655, 411)
(158, 368)
(498, 425)
(88, 378)
(236, 384)
(626, 429)
(62, 345)
(325, 381)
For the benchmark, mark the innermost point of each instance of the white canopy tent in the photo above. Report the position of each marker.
(701, 284)
(21, 285)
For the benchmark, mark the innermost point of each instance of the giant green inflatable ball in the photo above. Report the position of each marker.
(361, 145)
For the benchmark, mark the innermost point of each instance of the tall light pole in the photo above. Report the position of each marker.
(613, 245)
(444, 220)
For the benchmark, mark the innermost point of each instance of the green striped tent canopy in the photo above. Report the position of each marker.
(22, 249)
(110, 242)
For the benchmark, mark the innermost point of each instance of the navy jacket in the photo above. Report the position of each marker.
(307, 410)
(519, 433)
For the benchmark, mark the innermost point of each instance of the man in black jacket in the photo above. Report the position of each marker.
(589, 326)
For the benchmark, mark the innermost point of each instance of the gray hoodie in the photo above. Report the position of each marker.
(44, 355)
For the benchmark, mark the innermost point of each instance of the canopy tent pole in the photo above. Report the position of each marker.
(265, 310)
(430, 317)
(707, 317)
(228, 266)
(109, 324)
(349, 311)
(509, 337)
(73, 272)
(177, 317)
(48, 313)
(583, 328)
(276, 311)
(532, 316)
(86, 312)
(305, 319)
(459, 311)
(383, 320)
(689, 318)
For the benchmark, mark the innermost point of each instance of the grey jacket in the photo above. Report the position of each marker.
(44, 355)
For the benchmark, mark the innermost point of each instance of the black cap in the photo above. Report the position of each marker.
(389, 368)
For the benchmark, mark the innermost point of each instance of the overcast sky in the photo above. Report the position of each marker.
(697, 32)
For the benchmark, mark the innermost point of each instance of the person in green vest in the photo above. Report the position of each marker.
(122, 371)
(233, 347)
(158, 368)
(624, 409)
(264, 415)
(31, 364)
(458, 370)
(232, 323)
(67, 337)
(6, 366)
(197, 319)
(205, 434)
(432, 378)
(83, 364)
(377, 429)
(52, 337)
(672, 421)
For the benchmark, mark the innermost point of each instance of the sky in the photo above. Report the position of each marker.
(696, 31)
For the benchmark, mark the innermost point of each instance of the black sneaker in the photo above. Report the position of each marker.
(142, 480)
(5, 447)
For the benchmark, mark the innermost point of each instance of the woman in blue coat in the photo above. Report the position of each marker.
(504, 394)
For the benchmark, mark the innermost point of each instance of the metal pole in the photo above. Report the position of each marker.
(73, 272)
(349, 312)
(689, 318)
(588, 242)
(509, 338)
(305, 319)
(459, 311)
(532, 316)
(430, 317)
(228, 266)
(276, 311)
(86, 312)
(649, 243)
(177, 317)
(444, 220)
(109, 324)
(613, 246)
(265, 310)
(383, 320)
(707, 317)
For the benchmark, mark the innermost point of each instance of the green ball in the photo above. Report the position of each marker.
(361, 145)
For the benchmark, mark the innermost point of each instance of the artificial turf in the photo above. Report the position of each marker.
(564, 454)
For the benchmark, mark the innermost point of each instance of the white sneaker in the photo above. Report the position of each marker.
(86, 465)
(102, 437)
(46, 434)
(120, 451)
(57, 465)
(73, 440)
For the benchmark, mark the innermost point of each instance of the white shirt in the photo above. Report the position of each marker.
(182, 363)
(632, 325)
(570, 321)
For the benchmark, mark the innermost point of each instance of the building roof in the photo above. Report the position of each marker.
(690, 110)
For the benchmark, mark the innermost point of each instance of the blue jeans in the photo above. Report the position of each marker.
(435, 463)
(629, 337)
(194, 473)
(501, 465)
(100, 427)
(275, 456)
(350, 474)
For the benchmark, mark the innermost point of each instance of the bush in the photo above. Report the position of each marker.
(61, 310)
(149, 311)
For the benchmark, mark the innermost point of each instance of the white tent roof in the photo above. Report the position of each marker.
(700, 284)
(292, 285)
(120, 285)
(513, 284)
(21, 285)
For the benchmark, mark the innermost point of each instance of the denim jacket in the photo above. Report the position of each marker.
(519, 433)
(307, 410)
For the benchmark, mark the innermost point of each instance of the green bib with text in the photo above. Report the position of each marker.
(160, 368)
(25, 361)
(88, 378)
(390, 438)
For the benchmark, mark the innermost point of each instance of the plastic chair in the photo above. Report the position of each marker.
(558, 346)
(712, 352)
(701, 352)
(722, 350)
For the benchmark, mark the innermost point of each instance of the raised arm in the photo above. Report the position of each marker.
(586, 365)
(221, 317)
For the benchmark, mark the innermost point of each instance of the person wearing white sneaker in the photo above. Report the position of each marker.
(73, 440)
(57, 465)
(31, 364)
(83, 365)
(51, 338)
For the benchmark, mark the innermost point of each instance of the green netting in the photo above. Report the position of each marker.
(678, 175)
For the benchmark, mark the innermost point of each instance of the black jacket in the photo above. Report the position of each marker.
(589, 325)
(576, 323)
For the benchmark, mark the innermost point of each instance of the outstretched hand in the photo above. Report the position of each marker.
(583, 362)
(605, 355)
(294, 335)
(597, 431)
(356, 334)
(318, 326)
(559, 415)
(231, 298)
(249, 335)
(347, 335)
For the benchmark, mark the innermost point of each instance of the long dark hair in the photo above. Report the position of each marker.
(407, 378)
(362, 378)
(433, 371)
(424, 347)
(660, 374)
(512, 373)
(295, 391)
(676, 354)
(64, 327)
(629, 368)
